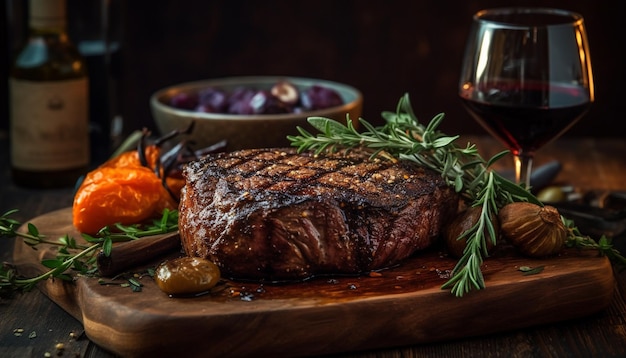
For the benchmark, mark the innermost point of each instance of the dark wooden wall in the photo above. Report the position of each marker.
(384, 48)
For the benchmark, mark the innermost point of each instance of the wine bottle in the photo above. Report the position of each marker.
(49, 103)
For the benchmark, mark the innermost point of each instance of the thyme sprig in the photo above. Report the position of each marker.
(71, 255)
(404, 137)
(575, 239)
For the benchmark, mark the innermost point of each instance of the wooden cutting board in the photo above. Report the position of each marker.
(402, 306)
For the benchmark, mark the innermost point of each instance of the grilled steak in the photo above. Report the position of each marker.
(275, 215)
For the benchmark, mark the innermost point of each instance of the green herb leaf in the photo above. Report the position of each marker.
(32, 230)
(531, 271)
(107, 246)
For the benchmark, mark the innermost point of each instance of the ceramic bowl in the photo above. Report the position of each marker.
(248, 131)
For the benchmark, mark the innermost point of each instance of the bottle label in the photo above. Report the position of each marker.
(49, 124)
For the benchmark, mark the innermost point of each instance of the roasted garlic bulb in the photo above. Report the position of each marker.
(534, 230)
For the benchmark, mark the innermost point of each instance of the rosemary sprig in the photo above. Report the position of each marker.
(403, 137)
(71, 255)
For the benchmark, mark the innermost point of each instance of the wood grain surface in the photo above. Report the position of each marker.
(402, 306)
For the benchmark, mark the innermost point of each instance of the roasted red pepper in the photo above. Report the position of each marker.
(137, 185)
(125, 190)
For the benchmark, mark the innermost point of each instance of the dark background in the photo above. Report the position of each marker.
(384, 48)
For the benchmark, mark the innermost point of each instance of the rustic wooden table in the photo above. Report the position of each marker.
(32, 325)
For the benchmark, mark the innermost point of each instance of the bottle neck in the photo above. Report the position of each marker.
(47, 16)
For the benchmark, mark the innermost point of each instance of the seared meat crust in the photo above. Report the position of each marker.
(275, 215)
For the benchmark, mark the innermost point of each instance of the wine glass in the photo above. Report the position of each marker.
(526, 77)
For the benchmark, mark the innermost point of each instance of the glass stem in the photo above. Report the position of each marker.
(523, 168)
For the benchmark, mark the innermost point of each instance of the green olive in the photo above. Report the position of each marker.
(551, 194)
(187, 275)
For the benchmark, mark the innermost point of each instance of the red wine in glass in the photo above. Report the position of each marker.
(527, 116)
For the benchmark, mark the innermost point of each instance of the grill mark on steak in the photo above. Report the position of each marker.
(274, 214)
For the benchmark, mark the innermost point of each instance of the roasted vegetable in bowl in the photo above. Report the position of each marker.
(282, 97)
